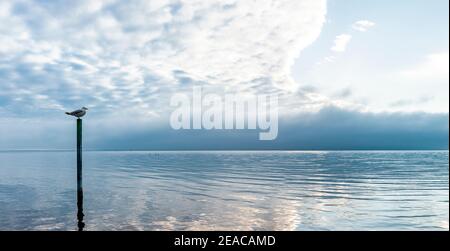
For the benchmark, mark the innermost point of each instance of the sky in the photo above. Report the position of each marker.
(350, 74)
(398, 62)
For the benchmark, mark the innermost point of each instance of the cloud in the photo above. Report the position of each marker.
(410, 102)
(434, 67)
(339, 129)
(331, 128)
(363, 25)
(344, 93)
(125, 59)
(341, 42)
(134, 54)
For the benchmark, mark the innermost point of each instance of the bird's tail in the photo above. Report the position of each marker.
(68, 113)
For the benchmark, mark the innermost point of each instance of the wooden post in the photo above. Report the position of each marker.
(80, 214)
(79, 155)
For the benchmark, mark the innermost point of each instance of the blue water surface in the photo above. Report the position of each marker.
(226, 190)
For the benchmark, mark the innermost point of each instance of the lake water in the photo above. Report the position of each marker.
(226, 191)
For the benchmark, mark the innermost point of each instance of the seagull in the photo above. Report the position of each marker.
(78, 113)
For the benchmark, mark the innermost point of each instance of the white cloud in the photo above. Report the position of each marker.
(421, 86)
(134, 53)
(341, 42)
(427, 84)
(330, 59)
(363, 25)
(434, 67)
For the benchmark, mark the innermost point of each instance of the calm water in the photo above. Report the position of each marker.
(227, 191)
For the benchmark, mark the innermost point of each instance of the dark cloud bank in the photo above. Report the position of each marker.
(330, 129)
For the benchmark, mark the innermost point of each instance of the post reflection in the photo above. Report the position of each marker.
(80, 214)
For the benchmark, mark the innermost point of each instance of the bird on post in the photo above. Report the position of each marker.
(78, 113)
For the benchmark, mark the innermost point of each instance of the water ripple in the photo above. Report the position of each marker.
(227, 190)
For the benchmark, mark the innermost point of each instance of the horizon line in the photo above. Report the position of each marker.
(226, 150)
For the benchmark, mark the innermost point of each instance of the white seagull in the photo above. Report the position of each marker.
(78, 113)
